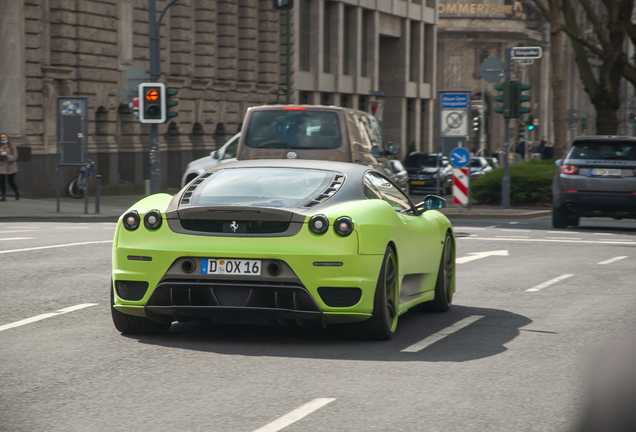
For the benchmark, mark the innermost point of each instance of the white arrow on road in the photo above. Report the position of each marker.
(479, 255)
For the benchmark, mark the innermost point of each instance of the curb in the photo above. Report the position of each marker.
(529, 215)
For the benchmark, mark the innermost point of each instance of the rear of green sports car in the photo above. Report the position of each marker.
(282, 245)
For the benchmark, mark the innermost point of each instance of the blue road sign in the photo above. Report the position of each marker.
(454, 100)
(460, 157)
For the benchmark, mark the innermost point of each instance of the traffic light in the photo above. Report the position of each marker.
(152, 103)
(583, 124)
(476, 123)
(283, 4)
(530, 122)
(519, 98)
(504, 98)
(171, 103)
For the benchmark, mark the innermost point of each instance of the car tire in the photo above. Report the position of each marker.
(574, 221)
(383, 321)
(559, 218)
(444, 285)
(131, 324)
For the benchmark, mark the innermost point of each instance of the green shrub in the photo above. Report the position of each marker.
(530, 183)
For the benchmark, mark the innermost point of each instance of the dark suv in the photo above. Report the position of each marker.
(595, 179)
(423, 172)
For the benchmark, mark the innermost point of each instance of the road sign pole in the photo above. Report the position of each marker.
(505, 182)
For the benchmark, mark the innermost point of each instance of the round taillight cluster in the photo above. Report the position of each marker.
(343, 226)
(569, 169)
(131, 220)
(152, 220)
(319, 224)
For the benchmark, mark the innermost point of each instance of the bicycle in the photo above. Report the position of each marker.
(78, 184)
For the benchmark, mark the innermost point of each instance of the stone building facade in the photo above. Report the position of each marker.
(222, 56)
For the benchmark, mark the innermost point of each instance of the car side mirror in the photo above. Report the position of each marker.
(375, 151)
(431, 202)
(215, 154)
(558, 162)
(394, 148)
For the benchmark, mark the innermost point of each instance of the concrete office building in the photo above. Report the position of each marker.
(222, 56)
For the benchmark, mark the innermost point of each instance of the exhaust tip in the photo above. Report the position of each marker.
(187, 266)
(274, 269)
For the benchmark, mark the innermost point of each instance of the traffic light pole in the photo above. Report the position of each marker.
(505, 182)
(155, 74)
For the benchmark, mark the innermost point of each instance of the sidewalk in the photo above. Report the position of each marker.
(111, 207)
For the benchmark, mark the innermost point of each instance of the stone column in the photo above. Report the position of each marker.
(12, 81)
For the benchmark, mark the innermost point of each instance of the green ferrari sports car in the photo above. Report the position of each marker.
(294, 242)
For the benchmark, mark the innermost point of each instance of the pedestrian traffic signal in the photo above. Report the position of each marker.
(519, 98)
(283, 4)
(504, 98)
(171, 103)
(152, 103)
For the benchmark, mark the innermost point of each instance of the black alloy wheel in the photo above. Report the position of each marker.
(383, 321)
(444, 284)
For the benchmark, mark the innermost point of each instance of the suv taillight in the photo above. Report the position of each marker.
(569, 169)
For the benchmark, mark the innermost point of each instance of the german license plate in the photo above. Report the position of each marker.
(231, 267)
(606, 172)
(418, 183)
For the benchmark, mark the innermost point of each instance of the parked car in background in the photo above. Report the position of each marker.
(315, 132)
(423, 171)
(478, 167)
(225, 154)
(493, 162)
(400, 175)
(595, 179)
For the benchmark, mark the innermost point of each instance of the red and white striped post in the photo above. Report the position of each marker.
(460, 185)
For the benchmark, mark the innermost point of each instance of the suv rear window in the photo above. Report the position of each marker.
(421, 161)
(613, 150)
(300, 129)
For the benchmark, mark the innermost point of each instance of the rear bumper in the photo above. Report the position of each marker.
(601, 204)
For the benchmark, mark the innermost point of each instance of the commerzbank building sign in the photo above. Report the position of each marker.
(447, 10)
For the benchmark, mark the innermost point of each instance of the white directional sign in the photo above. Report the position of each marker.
(479, 255)
(526, 53)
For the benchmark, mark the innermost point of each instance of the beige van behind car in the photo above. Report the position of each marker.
(314, 132)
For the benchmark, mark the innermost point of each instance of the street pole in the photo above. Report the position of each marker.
(505, 182)
(482, 121)
(155, 73)
(288, 56)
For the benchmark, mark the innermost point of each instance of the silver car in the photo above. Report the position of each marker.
(596, 178)
(225, 154)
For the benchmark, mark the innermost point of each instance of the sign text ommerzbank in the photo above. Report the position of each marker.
(480, 10)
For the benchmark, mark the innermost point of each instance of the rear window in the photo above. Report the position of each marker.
(267, 187)
(613, 150)
(420, 161)
(294, 129)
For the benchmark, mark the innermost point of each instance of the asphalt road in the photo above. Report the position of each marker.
(533, 306)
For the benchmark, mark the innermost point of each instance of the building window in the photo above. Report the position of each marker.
(346, 55)
(326, 63)
(304, 35)
(364, 49)
(414, 58)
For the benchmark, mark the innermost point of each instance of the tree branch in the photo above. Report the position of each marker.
(576, 37)
(544, 11)
(597, 25)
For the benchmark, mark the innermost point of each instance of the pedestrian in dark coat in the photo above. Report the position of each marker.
(8, 165)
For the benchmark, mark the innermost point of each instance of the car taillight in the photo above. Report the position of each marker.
(319, 224)
(343, 226)
(131, 220)
(569, 169)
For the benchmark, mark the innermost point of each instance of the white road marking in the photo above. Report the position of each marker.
(17, 238)
(565, 238)
(604, 234)
(479, 255)
(609, 261)
(11, 232)
(46, 315)
(419, 346)
(468, 228)
(514, 237)
(55, 246)
(295, 415)
(493, 226)
(515, 230)
(548, 240)
(563, 232)
(71, 227)
(548, 283)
